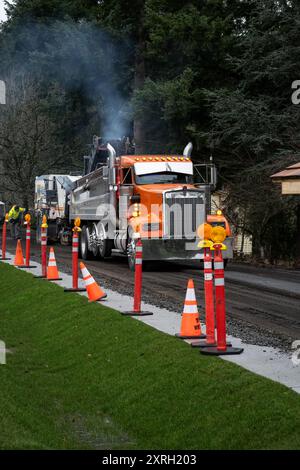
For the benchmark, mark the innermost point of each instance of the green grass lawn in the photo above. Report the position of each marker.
(82, 376)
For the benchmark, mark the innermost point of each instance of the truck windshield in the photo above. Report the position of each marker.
(162, 178)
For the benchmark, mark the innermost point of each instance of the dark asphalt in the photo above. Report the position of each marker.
(263, 304)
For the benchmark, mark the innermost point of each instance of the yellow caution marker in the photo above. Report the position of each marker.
(77, 223)
(218, 235)
(44, 222)
(205, 244)
(220, 246)
(204, 231)
(27, 219)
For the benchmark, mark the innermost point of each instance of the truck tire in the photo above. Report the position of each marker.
(131, 257)
(84, 245)
(94, 235)
(105, 249)
(131, 253)
(106, 245)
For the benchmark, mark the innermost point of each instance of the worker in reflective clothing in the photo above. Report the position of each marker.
(15, 219)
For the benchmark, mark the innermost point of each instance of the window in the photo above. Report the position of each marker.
(218, 224)
(127, 176)
(163, 178)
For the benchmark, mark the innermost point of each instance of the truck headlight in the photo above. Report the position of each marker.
(136, 210)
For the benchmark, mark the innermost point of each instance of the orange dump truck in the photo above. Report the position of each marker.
(161, 199)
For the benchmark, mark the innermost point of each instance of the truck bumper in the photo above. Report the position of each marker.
(162, 249)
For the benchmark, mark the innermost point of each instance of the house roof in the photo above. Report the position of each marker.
(292, 171)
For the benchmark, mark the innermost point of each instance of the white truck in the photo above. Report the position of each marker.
(51, 199)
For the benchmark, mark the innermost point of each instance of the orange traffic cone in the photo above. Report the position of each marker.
(93, 290)
(52, 271)
(19, 260)
(190, 322)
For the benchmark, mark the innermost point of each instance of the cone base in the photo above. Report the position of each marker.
(56, 279)
(178, 335)
(5, 259)
(27, 267)
(136, 314)
(41, 277)
(216, 352)
(73, 289)
(203, 344)
(104, 297)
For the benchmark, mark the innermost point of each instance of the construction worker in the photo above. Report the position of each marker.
(15, 219)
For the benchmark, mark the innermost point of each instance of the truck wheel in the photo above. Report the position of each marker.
(105, 245)
(131, 256)
(84, 245)
(131, 253)
(94, 240)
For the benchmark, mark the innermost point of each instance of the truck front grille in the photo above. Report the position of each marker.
(183, 213)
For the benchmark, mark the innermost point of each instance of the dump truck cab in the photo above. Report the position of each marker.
(160, 199)
(168, 205)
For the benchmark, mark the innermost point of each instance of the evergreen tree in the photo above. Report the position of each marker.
(255, 126)
(213, 71)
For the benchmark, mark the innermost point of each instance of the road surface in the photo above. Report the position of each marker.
(263, 304)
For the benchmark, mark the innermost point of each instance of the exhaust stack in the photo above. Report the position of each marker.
(112, 175)
(188, 150)
(111, 157)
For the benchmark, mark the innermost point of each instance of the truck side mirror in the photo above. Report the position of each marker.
(206, 174)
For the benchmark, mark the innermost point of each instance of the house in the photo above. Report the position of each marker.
(289, 178)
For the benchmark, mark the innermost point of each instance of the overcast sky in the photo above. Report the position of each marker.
(2, 12)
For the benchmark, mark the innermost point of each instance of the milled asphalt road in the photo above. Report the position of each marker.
(263, 304)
